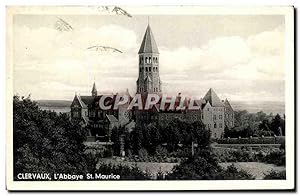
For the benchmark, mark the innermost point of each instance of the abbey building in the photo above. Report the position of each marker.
(215, 113)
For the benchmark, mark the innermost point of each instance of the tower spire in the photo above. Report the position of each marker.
(94, 90)
(148, 80)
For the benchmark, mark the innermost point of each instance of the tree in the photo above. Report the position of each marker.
(278, 125)
(204, 166)
(45, 141)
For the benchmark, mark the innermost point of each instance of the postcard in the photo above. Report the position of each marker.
(150, 98)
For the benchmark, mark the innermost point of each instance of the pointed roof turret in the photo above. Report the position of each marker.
(148, 45)
(213, 98)
(94, 90)
(227, 105)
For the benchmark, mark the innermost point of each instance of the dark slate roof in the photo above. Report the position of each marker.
(94, 88)
(87, 100)
(213, 98)
(148, 44)
(227, 105)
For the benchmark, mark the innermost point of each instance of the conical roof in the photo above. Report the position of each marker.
(148, 44)
(94, 90)
(227, 105)
(213, 98)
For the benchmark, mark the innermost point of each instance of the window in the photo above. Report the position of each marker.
(215, 125)
(215, 117)
(207, 109)
(76, 114)
(146, 59)
(149, 60)
(220, 125)
(146, 69)
(149, 68)
(215, 135)
(140, 69)
(220, 116)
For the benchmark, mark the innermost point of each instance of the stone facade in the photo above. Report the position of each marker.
(98, 122)
(148, 80)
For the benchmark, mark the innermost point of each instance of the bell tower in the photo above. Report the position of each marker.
(148, 80)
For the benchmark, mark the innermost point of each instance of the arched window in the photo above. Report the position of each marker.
(146, 60)
(149, 68)
(146, 68)
(149, 59)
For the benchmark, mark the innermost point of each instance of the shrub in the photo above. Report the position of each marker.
(275, 157)
(143, 154)
(205, 166)
(274, 175)
(232, 173)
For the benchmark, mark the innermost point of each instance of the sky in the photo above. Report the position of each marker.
(241, 57)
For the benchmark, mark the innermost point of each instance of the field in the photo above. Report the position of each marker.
(257, 169)
(149, 167)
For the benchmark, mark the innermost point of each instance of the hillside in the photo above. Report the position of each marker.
(54, 103)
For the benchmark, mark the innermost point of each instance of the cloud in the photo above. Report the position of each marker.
(60, 64)
(228, 61)
(43, 55)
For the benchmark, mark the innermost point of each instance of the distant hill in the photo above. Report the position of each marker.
(54, 103)
(251, 107)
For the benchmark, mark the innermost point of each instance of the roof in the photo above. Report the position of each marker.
(94, 90)
(77, 101)
(87, 100)
(213, 98)
(227, 105)
(148, 44)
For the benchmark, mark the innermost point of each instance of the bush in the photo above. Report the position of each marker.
(205, 166)
(274, 175)
(238, 155)
(275, 157)
(232, 173)
(143, 154)
(161, 151)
